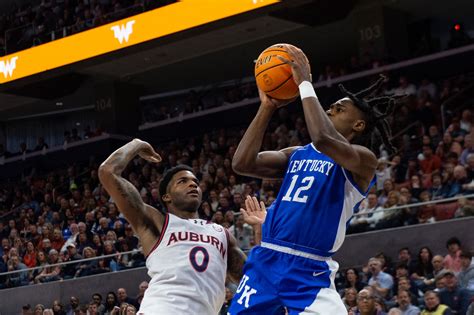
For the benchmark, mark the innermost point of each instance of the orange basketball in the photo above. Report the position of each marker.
(274, 77)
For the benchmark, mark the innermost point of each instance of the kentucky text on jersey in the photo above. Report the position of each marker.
(311, 166)
(177, 237)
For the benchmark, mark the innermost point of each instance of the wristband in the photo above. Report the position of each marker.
(307, 90)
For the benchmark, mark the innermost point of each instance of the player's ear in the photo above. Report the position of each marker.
(359, 125)
(166, 198)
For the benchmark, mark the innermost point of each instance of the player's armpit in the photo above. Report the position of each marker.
(267, 164)
(235, 260)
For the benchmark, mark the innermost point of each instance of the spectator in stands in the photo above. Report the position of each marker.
(453, 296)
(436, 191)
(404, 303)
(359, 223)
(466, 276)
(380, 281)
(423, 268)
(57, 242)
(366, 303)
(404, 283)
(428, 87)
(433, 305)
(387, 188)
(74, 230)
(111, 302)
(88, 267)
(39, 309)
(29, 258)
(470, 168)
(404, 257)
(388, 218)
(58, 308)
(243, 233)
(50, 273)
(456, 131)
(123, 297)
(26, 310)
(82, 242)
(142, 287)
(452, 260)
(466, 120)
(19, 278)
(73, 306)
(405, 88)
(97, 300)
(350, 298)
(92, 309)
(430, 162)
(69, 270)
(97, 244)
(110, 262)
(383, 172)
(438, 266)
(352, 280)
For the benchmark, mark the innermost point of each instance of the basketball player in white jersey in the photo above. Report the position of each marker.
(187, 258)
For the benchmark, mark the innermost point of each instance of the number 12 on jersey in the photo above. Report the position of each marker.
(304, 185)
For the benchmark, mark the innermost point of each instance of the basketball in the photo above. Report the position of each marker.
(273, 76)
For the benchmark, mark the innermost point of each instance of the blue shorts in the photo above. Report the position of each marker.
(274, 281)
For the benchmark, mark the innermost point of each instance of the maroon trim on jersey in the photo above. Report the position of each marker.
(163, 230)
(227, 237)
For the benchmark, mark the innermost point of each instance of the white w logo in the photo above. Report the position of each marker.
(122, 32)
(8, 66)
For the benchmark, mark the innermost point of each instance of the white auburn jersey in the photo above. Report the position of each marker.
(187, 266)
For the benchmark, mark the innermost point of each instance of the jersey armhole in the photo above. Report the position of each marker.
(162, 234)
(351, 180)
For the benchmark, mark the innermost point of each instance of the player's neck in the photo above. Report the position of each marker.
(184, 214)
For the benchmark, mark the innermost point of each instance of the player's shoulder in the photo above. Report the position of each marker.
(289, 150)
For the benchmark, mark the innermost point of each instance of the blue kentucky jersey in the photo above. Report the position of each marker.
(316, 201)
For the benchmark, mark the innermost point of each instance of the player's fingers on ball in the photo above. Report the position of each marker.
(284, 59)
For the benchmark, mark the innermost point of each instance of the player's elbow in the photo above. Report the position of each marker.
(105, 171)
(239, 166)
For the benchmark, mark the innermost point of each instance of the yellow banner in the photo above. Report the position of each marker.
(137, 29)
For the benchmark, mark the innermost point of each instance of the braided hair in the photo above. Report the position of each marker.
(376, 110)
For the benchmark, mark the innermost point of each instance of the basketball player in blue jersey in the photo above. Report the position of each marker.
(323, 182)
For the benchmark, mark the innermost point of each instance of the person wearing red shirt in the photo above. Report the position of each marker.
(431, 162)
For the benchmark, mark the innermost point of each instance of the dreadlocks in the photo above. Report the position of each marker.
(376, 109)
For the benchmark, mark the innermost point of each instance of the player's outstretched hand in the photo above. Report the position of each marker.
(299, 64)
(255, 212)
(147, 152)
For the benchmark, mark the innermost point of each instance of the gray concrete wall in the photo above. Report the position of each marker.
(11, 300)
(355, 252)
(358, 248)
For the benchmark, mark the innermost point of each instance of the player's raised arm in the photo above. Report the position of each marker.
(248, 160)
(145, 220)
(357, 159)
